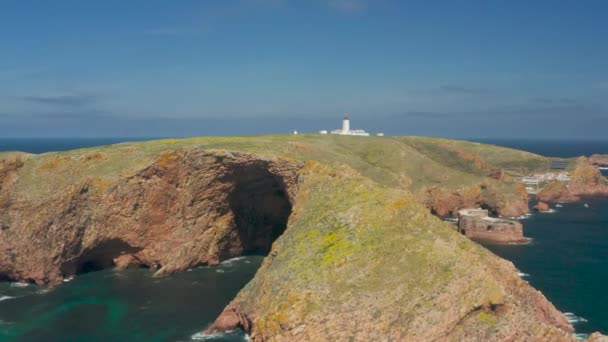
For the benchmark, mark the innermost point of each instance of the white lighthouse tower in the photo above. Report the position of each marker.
(346, 124)
(346, 128)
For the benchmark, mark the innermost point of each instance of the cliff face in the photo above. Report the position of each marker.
(352, 253)
(186, 208)
(510, 200)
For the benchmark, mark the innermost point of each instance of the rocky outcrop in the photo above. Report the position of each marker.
(341, 285)
(597, 337)
(477, 225)
(542, 207)
(510, 202)
(600, 160)
(585, 180)
(185, 208)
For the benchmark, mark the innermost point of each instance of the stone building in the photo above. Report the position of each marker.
(476, 224)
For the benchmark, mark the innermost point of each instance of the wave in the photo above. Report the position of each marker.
(2, 298)
(20, 284)
(522, 274)
(229, 262)
(573, 319)
(581, 336)
(231, 335)
(550, 211)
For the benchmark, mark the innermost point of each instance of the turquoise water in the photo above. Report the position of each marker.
(126, 305)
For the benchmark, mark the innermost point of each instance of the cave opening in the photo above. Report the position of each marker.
(102, 256)
(261, 207)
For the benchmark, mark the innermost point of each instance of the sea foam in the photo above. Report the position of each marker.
(573, 319)
(20, 284)
(3, 298)
(550, 211)
(221, 336)
(230, 262)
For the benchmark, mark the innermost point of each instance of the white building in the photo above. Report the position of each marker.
(346, 128)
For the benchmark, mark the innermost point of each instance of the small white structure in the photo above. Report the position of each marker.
(346, 128)
(380, 134)
(295, 132)
(323, 132)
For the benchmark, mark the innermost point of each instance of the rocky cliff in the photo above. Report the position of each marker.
(353, 254)
(599, 160)
(586, 180)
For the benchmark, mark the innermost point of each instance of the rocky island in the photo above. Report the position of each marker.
(355, 249)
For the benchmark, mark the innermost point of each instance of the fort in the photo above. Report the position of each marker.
(476, 224)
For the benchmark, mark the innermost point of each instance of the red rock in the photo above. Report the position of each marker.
(542, 207)
(229, 320)
(599, 160)
(126, 261)
(597, 337)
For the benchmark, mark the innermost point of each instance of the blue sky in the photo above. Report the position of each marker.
(468, 69)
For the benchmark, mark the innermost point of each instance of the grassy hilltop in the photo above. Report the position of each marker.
(360, 258)
(414, 163)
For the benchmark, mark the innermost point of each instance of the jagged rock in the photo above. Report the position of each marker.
(542, 207)
(597, 337)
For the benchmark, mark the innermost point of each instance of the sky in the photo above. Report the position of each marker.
(151, 68)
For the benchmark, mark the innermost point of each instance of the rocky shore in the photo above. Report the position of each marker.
(586, 180)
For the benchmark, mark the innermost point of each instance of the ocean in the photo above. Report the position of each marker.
(567, 259)
(129, 305)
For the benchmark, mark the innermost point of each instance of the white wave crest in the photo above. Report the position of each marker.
(522, 274)
(550, 211)
(20, 284)
(573, 319)
(230, 262)
(218, 336)
(581, 336)
(2, 298)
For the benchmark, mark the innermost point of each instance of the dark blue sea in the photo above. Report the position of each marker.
(567, 260)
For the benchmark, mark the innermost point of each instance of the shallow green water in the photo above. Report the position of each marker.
(126, 305)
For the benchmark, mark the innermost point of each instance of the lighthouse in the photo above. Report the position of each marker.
(346, 128)
(346, 124)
